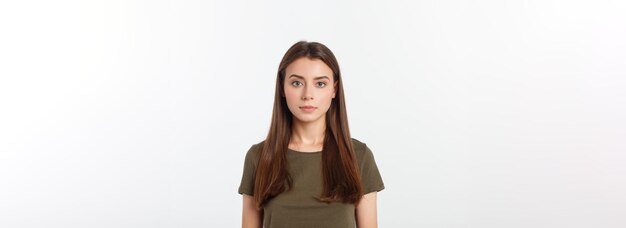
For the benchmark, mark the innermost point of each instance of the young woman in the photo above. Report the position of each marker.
(309, 172)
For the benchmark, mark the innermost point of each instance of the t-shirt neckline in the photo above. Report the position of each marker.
(300, 152)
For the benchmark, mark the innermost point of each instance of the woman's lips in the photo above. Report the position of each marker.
(308, 108)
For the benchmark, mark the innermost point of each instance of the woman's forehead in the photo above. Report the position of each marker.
(308, 68)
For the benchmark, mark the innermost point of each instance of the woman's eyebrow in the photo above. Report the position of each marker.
(316, 78)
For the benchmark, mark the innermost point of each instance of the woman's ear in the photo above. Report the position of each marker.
(335, 88)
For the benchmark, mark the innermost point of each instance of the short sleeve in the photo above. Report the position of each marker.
(249, 171)
(370, 176)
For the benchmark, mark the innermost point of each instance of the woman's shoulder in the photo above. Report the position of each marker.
(257, 145)
(360, 148)
(357, 143)
(254, 150)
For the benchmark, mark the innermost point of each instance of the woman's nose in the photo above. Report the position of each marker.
(307, 94)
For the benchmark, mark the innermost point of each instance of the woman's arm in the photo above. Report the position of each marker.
(366, 216)
(251, 217)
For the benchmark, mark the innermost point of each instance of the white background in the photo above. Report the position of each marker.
(479, 113)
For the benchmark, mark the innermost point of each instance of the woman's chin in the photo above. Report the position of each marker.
(307, 118)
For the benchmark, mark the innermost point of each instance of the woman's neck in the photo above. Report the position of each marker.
(309, 133)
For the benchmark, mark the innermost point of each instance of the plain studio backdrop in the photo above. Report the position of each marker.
(479, 113)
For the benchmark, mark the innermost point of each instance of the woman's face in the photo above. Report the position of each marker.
(309, 89)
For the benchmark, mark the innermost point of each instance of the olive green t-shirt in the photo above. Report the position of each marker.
(298, 206)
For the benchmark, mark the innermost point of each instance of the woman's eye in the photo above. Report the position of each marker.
(296, 83)
(321, 84)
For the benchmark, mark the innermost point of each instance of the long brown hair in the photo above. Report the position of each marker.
(342, 181)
